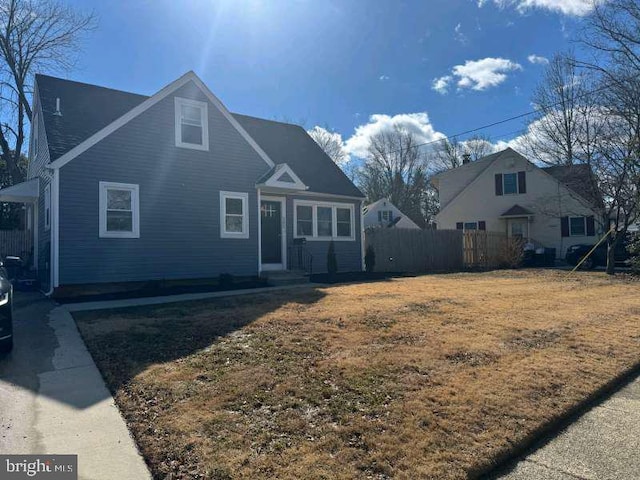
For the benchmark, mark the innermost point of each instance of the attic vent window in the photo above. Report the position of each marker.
(192, 130)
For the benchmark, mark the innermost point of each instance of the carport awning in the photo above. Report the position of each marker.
(25, 192)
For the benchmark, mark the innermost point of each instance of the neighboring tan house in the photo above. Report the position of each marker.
(552, 207)
(384, 214)
(127, 188)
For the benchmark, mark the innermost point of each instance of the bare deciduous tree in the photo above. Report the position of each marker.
(35, 36)
(395, 168)
(450, 153)
(568, 123)
(331, 143)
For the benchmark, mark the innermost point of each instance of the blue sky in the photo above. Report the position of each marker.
(338, 63)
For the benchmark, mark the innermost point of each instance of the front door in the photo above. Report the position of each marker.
(271, 227)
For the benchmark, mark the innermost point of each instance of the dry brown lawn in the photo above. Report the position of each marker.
(429, 377)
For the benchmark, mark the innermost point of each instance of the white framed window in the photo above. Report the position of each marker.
(119, 210)
(47, 207)
(234, 215)
(304, 221)
(577, 226)
(192, 125)
(323, 221)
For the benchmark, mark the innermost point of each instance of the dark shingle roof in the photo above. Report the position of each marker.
(85, 110)
(578, 178)
(291, 144)
(88, 108)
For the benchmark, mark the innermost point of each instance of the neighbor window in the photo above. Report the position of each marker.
(234, 216)
(47, 207)
(510, 183)
(471, 225)
(385, 215)
(577, 226)
(192, 129)
(119, 210)
(323, 221)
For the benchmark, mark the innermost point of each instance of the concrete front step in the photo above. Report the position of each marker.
(279, 278)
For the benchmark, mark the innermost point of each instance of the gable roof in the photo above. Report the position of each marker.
(85, 109)
(291, 144)
(90, 113)
(576, 178)
(368, 209)
(579, 179)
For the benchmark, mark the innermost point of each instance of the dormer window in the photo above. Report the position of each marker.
(192, 130)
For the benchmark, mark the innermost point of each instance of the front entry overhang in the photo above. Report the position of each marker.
(25, 192)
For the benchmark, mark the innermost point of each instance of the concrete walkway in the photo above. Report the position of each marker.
(603, 444)
(186, 297)
(53, 398)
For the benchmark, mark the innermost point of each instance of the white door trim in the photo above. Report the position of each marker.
(283, 233)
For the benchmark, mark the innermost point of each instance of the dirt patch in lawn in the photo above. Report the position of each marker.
(427, 377)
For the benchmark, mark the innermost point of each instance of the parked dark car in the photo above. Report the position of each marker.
(6, 312)
(575, 253)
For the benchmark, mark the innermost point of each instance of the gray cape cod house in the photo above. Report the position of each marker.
(127, 188)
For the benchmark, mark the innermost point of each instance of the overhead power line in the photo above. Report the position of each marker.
(500, 122)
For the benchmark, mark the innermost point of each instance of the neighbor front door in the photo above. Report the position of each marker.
(271, 226)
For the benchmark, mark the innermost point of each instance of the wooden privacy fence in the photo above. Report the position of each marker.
(16, 242)
(484, 249)
(405, 250)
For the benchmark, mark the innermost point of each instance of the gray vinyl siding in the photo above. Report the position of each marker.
(348, 253)
(44, 238)
(179, 202)
(37, 164)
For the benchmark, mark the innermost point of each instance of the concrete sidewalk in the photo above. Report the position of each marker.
(54, 399)
(602, 444)
(185, 297)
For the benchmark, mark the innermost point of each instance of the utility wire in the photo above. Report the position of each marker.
(500, 122)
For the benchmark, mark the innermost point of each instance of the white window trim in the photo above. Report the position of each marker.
(135, 209)
(245, 214)
(47, 207)
(504, 189)
(334, 219)
(204, 120)
(584, 223)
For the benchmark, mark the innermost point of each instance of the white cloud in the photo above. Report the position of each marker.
(477, 74)
(416, 123)
(459, 36)
(383, 78)
(441, 85)
(537, 59)
(576, 8)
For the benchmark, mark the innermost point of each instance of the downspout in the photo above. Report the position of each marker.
(362, 249)
(54, 232)
(259, 236)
